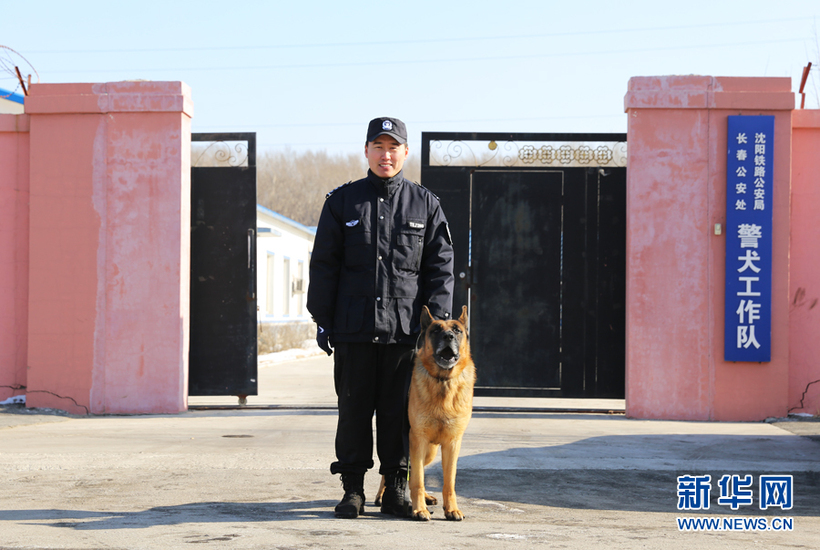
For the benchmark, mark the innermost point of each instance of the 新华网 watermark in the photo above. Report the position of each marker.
(774, 491)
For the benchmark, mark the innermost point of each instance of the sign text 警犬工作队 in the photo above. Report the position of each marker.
(748, 317)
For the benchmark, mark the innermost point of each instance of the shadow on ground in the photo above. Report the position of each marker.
(612, 490)
(197, 512)
(618, 490)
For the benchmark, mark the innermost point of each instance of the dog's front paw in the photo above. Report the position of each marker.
(454, 515)
(422, 515)
(430, 500)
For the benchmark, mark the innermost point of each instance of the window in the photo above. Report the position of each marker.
(286, 282)
(299, 288)
(270, 286)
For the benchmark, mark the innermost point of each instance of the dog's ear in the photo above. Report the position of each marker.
(463, 318)
(426, 318)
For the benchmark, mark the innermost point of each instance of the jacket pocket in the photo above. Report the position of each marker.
(349, 314)
(409, 244)
(358, 245)
(409, 312)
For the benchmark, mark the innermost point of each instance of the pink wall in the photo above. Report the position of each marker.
(14, 198)
(804, 284)
(676, 193)
(108, 287)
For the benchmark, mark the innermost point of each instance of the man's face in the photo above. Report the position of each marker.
(385, 156)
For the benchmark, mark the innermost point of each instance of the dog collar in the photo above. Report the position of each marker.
(439, 378)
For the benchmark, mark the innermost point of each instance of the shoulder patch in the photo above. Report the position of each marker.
(423, 187)
(333, 191)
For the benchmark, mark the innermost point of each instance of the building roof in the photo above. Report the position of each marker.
(277, 216)
(12, 96)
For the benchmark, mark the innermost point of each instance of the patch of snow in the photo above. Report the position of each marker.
(16, 400)
(505, 536)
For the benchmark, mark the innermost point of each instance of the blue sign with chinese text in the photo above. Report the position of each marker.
(748, 316)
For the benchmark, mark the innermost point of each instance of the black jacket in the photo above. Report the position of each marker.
(382, 250)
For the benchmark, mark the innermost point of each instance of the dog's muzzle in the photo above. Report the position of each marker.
(446, 354)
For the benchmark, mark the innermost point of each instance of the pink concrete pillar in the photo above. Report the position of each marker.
(14, 198)
(676, 194)
(109, 245)
(804, 282)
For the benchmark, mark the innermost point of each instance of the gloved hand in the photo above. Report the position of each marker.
(323, 338)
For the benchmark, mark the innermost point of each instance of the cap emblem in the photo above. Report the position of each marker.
(387, 125)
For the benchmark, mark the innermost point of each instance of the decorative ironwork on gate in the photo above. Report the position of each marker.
(223, 150)
(527, 154)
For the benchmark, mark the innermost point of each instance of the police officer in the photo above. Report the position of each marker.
(382, 251)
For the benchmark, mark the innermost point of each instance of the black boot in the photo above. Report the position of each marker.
(395, 500)
(352, 504)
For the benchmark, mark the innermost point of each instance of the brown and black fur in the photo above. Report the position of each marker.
(439, 408)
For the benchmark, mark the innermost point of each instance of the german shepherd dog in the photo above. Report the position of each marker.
(439, 407)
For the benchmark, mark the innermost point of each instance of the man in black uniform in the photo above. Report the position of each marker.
(382, 251)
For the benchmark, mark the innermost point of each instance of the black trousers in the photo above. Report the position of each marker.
(371, 378)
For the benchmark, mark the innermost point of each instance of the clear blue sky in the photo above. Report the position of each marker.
(310, 74)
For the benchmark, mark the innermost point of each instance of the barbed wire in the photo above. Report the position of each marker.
(10, 63)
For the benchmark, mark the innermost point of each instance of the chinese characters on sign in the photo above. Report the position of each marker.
(749, 173)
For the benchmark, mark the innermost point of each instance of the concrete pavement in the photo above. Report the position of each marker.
(259, 478)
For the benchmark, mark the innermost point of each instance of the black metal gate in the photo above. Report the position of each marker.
(539, 228)
(223, 349)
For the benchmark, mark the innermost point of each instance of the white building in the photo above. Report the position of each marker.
(283, 250)
(11, 103)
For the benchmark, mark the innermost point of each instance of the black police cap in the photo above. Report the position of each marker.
(392, 127)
